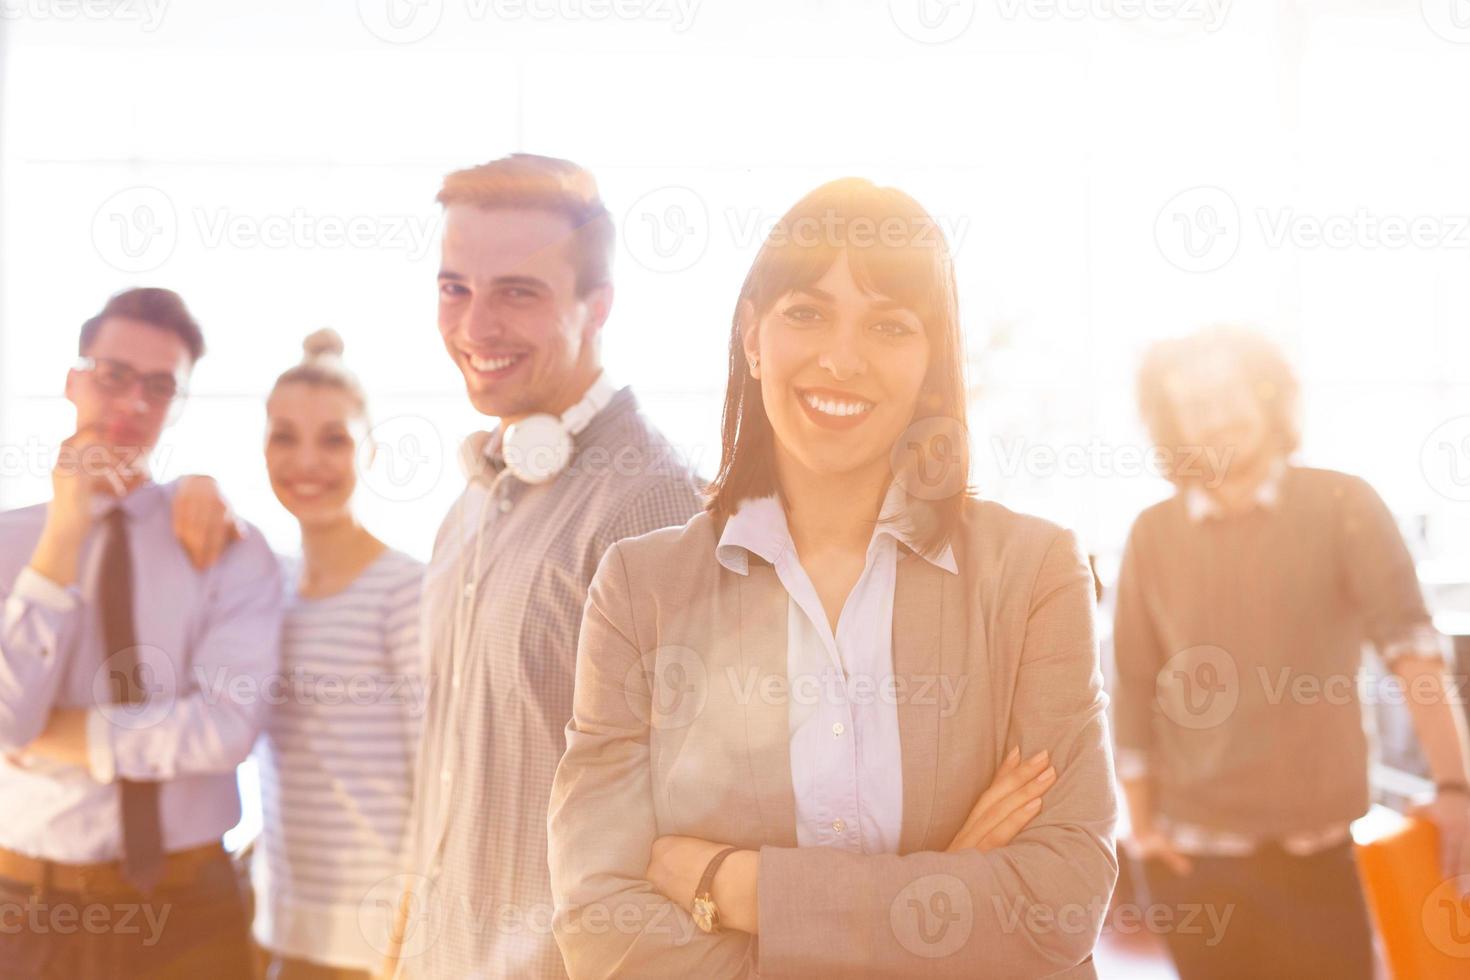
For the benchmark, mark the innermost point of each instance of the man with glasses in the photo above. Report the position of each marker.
(126, 675)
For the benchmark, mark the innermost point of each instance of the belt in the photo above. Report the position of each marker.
(180, 869)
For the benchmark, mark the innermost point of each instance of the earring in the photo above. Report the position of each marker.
(755, 363)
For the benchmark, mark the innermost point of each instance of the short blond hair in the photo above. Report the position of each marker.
(525, 180)
(1259, 365)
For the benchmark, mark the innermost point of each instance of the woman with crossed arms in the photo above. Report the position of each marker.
(849, 721)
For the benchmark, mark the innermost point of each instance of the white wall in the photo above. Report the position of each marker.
(1063, 149)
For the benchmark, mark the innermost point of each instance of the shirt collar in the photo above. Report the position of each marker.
(137, 504)
(1199, 505)
(759, 527)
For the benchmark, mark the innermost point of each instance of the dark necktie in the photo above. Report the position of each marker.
(142, 835)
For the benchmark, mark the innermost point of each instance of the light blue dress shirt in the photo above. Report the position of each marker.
(208, 643)
(846, 757)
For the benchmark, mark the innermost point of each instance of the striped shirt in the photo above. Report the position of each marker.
(503, 601)
(336, 766)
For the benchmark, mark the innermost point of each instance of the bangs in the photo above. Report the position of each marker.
(894, 249)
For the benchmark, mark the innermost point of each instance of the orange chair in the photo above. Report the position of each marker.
(1422, 921)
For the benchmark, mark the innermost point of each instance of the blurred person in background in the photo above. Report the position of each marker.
(336, 757)
(1243, 605)
(120, 731)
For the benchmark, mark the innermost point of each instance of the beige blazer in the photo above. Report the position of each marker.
(680, 726)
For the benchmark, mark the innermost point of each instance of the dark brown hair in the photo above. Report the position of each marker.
(524, 180)
(911, 266)
(1259, 366)
(160, 308)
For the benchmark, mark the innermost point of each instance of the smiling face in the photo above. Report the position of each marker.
(130, 418)
(313, 433)
(840, 371)
(510, 313)
(1214, 409)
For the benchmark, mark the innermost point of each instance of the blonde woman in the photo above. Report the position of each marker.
(336, 754)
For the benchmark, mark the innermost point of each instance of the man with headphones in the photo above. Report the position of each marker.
(524, 290)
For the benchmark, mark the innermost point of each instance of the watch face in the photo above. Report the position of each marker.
(704, 914)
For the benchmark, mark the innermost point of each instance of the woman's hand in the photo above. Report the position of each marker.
(675, 865)
(1008, 804)
(203, 521)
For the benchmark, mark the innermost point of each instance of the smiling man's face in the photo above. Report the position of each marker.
(510, 313)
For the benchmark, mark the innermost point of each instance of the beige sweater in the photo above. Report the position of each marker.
(1238, 642)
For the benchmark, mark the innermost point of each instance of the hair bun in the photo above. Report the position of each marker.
(325, 342)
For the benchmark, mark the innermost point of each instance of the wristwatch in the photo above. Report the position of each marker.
(706, 915)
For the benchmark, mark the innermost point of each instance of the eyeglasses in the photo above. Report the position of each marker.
(118, 377)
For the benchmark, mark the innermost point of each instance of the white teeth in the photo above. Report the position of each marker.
(829, 406)
(493, 363)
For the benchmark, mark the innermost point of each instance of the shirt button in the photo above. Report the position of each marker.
(445, 775)
(456, 682)
(839, 826)
(505, 505)
(469, 590)
(838, 729)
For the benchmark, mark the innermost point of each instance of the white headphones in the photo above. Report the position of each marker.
(538, 447)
